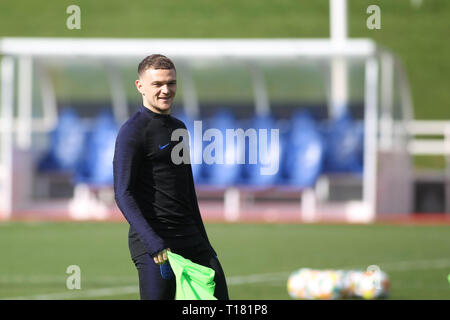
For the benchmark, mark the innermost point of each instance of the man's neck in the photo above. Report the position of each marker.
(153, 109)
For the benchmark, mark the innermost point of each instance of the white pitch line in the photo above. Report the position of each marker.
(77, 294)
(52, 279)
(232, 280)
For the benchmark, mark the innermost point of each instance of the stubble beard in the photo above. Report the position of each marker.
(158, 109)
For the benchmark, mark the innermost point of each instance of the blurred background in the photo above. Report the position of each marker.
(364, 134)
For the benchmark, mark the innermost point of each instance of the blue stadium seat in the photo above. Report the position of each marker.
(96, 167)
(344, 146)
(221, 175)
(252, 172)
(66, 144)
(303, 152)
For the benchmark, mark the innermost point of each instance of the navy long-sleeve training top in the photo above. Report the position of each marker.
(156, 196)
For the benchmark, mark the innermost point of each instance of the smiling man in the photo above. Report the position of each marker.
(157, 196)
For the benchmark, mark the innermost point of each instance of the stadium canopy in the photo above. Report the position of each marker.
(189, 48)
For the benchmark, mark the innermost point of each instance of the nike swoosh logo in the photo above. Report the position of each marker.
(162, 147)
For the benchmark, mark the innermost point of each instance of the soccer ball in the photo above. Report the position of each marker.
(371, 284)
(315, 284)
(296, 285)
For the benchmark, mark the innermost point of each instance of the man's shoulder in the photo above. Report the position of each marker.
(135, 124)
(178, 123)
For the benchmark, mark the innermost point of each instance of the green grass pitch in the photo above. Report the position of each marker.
(257, 258)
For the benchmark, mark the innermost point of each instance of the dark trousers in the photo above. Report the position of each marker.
(152, 286)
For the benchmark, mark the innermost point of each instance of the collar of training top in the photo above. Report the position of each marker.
(165, 118)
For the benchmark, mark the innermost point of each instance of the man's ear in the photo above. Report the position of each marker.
(139, 85)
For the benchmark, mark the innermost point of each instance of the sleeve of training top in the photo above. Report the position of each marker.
(127, 158)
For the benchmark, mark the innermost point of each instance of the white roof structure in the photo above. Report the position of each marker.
(186, 48)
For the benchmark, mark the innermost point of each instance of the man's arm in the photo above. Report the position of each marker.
(127, 157)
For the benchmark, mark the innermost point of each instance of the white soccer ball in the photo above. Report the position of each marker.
(315, 284)
(371, 284)
(296, 285)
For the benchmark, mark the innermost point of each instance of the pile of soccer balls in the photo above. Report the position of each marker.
(338, 284)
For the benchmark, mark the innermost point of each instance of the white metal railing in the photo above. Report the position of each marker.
(429, 146)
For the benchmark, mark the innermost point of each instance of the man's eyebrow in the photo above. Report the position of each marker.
(162, 82)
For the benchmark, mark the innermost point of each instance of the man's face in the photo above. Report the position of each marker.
(158, 88)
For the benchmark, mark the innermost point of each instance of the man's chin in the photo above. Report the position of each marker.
(164, 108)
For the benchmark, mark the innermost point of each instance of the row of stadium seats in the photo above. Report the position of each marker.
(82, 150)
(307, 149)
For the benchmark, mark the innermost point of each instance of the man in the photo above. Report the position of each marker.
(157, 196)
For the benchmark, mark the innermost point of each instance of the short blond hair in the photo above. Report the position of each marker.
(155, 61)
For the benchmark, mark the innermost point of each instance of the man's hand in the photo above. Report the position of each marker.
(161, 257)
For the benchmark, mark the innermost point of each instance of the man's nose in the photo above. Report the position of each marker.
(165, 88)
